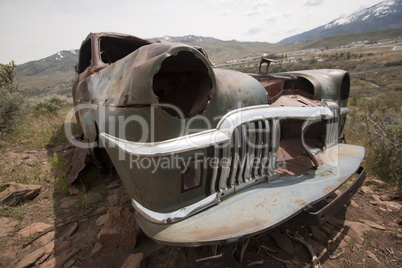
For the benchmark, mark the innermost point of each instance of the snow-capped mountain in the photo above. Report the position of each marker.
(383, 16)
(63, 60)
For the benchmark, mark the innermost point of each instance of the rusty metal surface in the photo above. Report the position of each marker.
(262, 206)
(293, 116)
(128, 85)
(327, 82)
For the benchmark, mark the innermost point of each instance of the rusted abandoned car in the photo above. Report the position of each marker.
(212, 155)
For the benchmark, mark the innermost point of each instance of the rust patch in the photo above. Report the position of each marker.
(262, 204)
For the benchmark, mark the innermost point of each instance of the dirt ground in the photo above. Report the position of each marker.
(70, 228)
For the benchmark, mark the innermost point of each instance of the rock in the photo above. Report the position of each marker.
(353, 204)
(63, 258)
(366, 190)
(385, 197)
(345, 241)
(373, 256)
(376, 198)
(47, 238)
(49, 248)
(318, 234)
(283, 242)
(7, 226)
(101, 210)
(383, 209)
(102, 220)
(37, 227)
(118, 200)
(49, 263)
(96, 249)
(8, 255)
(69, 263)
(135, 261)
(17, 193)
(373, 225)
(31, 258)
(393, 205)
(120, 229)
(357, 229)
(72, 229)
(62, 247)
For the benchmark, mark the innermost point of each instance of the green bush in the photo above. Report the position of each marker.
(51, 104)
(11, 100)
(393, 63)
(376, 123)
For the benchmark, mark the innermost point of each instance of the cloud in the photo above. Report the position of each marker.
(311, 3)
(288, 13)
(224, 2)
(258, 7)
(253, 30)
(226, 11)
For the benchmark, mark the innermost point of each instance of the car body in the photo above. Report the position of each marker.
(207, 154)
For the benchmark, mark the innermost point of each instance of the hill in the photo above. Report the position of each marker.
(53, 74)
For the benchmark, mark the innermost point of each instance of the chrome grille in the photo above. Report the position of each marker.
(332, 134)
(250, 155)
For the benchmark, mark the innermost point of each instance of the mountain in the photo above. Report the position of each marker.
(383, 16)
(61, 61)
(55, 74)
(220, 51)
(49, 75)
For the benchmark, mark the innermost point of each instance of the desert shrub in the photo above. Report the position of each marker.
(376, 123)
(385, 154)
(11, 100)
(393, 63)
(51, 104)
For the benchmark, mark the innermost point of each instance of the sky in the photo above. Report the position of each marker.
(35, 29)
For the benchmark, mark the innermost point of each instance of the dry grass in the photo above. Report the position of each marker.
(37, 130)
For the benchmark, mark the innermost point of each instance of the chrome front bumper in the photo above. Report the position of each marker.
(262, 206)
(229, 210)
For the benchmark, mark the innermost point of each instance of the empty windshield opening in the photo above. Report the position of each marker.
(113, 49)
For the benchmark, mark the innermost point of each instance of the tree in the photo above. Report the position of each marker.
(11, 98)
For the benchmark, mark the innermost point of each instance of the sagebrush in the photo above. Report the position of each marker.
(12, 100)
(51, 104)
